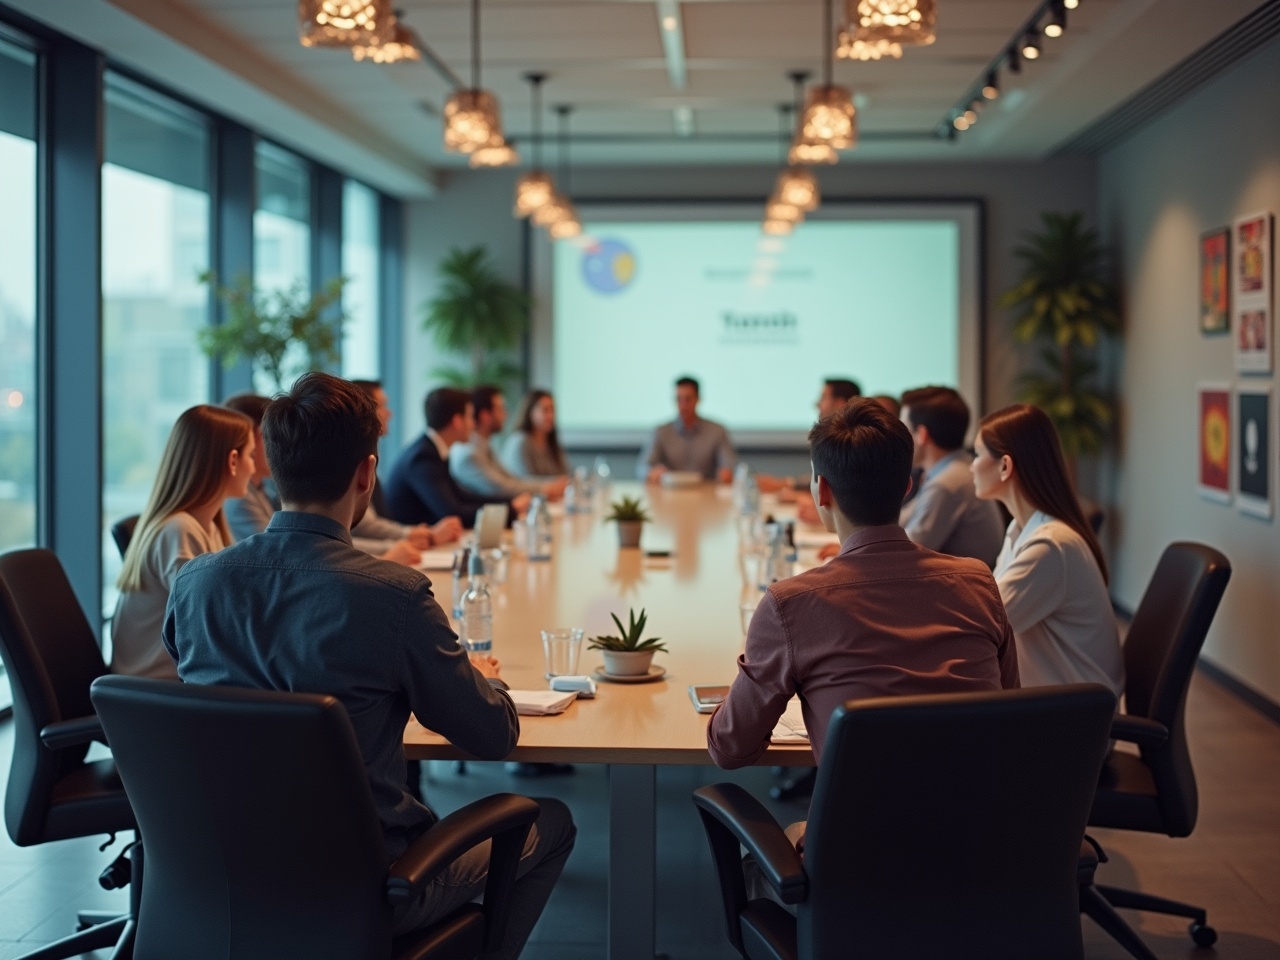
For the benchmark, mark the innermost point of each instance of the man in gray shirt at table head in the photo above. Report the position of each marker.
(946, 515)
(688, 443)
(299, 608)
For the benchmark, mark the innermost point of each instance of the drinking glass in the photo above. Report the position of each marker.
(495, 564)
(560, 649)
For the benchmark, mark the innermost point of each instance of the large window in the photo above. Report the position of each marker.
(155, 246)
(360, 265)
(281, 233)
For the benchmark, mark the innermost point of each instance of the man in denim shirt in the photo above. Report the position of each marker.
(298, 608)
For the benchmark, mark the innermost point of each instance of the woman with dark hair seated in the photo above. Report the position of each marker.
(1051, 573)
(533, 448)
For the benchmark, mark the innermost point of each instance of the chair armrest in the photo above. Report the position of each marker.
(73, 733)
(1139, 730)
(754, 827)
(453, 836)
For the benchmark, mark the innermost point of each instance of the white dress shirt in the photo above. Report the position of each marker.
(1058, 606)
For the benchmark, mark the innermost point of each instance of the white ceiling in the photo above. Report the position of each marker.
(606, 57)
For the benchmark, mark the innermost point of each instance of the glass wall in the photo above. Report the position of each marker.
(281, 234)
(156, 220)
(360, 264)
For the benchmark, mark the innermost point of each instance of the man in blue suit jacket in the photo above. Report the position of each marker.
(419, 488)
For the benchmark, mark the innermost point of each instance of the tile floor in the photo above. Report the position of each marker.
(1231, 864)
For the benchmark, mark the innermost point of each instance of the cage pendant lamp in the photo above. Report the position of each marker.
(778, 228)
(848, 47)
(799, 188)
(344, 23)
(535, 188)
(806, 151)
(563, 223)
(904, 22)
(829, 115)
(496, 153)
(404, 45)
(471, 117)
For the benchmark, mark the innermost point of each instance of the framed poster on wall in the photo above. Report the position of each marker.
(1251, 269)
(1254, 451)
(1213, 401)
(1215, 281)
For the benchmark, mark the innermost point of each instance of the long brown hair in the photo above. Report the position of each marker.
(193, 471)
(524, 419)
(1026, 435)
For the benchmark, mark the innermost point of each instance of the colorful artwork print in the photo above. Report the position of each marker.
(1252, 261)
(1215, 281)
(1253, 451)
(1250, 251)
(1215, 442)
(1252, 335)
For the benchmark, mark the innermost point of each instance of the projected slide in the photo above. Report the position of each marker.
(759, 321)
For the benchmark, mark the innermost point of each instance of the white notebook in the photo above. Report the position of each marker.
(790, 726)
(541, 703)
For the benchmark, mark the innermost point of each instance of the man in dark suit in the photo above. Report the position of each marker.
(419, 488)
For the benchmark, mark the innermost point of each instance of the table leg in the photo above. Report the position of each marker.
(632, 861)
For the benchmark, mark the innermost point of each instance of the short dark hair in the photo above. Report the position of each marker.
(843, 389)
(252, 405)
(865, 453)
(443, 404)
(482, 397)
(316, 435)
(368, 386)
(941, 411)
(689, 382)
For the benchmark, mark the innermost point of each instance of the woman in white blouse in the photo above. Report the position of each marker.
(208, 458)
(533, 448)
(1051, 573)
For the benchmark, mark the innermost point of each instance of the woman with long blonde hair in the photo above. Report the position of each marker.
(1052, 574)
(208, 458)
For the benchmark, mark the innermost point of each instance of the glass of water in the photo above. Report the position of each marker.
(560, 649)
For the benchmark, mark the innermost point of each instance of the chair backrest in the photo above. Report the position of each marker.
(257, 822)
(1160, 653)
(950, 826)
(52, 656)
(122, 532)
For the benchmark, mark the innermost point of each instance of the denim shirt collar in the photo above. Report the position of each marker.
(298, 521)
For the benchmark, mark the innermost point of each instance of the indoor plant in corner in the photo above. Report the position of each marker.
(630, 516)
(628, 655)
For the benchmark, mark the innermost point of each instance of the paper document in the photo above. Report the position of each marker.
(541, 703)
(436, 560)
(790, 727)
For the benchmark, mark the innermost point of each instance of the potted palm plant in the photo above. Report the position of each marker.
(477, 313)
(630, 516)
(628, 654)
(281, 334)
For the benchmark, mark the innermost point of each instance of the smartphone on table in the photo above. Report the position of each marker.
(707, 698)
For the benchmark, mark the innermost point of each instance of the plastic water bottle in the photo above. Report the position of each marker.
(476, 630)
(582, 479)
(538, 530)
(776, 566)
(573, 496)
(461, 557)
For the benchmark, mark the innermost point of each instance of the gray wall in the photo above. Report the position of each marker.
(1214, 157)
(475, 207)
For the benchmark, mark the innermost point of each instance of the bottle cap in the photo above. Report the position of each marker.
(476, 564)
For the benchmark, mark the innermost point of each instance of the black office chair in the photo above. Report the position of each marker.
(122, 532)
(945, 826)
(52, 658)
(261, 838)
(1156, 791)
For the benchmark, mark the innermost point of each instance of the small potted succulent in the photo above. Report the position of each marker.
(628, 655)
(630, 515)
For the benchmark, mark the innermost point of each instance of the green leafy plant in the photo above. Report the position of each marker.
(270, 330)
(478, 313)
(1066, 299)
(629, 638)
(628, 510)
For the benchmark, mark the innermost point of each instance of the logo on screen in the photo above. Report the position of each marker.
(608, 266)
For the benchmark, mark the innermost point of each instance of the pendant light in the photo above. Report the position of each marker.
(780, 214)
(829, 114)
(850, 47)
(898, 22)
(566, 223)
(496, 153)
(471, 116)
(797, 186)
(344, 23)
(806, 151)
(534, 189)
(404, 45)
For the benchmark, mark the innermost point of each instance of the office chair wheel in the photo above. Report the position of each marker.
(1203, 934)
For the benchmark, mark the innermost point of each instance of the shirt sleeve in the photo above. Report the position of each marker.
(931, 517)
(176, 543)
(1007, 658)
(726, 458)
(446, 693)
(1033, 584)
(739, 731)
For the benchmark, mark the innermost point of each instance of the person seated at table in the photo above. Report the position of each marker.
(420, 488)
(472, 463)
(946, 515)
(836, 392)
(688, 443)
(208, 458)
(887, 617)
(298, 608)
(533, 450)
(375, 529)
(1051, 573)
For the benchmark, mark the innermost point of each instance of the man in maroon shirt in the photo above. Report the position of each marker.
(885, 617)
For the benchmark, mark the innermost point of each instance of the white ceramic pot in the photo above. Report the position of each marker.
(631, 663)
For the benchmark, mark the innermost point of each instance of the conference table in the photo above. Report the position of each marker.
(695, 602)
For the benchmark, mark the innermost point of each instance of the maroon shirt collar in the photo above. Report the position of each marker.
(866, 536)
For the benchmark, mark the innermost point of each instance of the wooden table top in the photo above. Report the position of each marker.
(694, 601)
